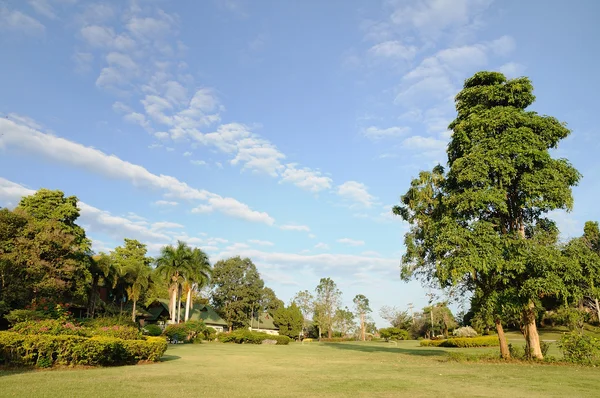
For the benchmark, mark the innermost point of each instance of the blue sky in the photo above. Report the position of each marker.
(282, 131)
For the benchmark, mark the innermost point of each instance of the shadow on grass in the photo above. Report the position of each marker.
(169, 358)
(9, 371)
(421, 352)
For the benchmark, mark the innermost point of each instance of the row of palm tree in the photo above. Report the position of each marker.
(129, 274)
(185, 269)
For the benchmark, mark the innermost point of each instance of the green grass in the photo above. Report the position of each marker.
(309, 370)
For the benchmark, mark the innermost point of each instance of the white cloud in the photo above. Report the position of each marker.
(186, 154)
(261, 242)
(312, 236)
(294, 227)
(371, 253)
(393, 49)
(148, 28)
(42, 7)
(16, 21)
(356, 192)
(512, 69)
(166, 203)
(83, 61)
(305, 178)
(424, 143)
(503, 46)
(322, 246)
(351, 242)
(198, 162)
(65, 151)
(166, 225)
(376, 133)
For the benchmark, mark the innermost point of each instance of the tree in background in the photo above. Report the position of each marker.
(289, 320)
(172, 264)
(269, 301)
(196, 276)
(305, 302)
(361, 307)
(134, 269)
(469, 226)
(237, 288)
(13, 292)
(441, 318)
(397, 318)
(344, 321)
(327, 302)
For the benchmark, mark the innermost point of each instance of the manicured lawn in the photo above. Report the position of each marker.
(309, 370)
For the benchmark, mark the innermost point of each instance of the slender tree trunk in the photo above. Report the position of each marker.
(597, 309)
(504, 351)
(362, 327)
(134, 311)
(188, 303)
(532, 337)
(178, 304)
(173, 305)
(319, 332)
(91, 296)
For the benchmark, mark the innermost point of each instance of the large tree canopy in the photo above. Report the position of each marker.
(480, 225)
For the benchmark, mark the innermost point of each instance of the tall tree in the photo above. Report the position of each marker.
(396, 318)
(172, 264)
(328, 301)
(237, 288)
(12, 292)
(305, 301)
(134, 270)
(196, 276)
(469, 226)
(361, 307)
(344, 320)
(289, 320)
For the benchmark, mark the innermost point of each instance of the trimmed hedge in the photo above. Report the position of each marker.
(463, 342)
(336, 339)
(243, 336)
(152, 330)
(45, 350)
(61, 328)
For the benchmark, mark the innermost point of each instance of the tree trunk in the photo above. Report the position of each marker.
(362, 327)
(504, 351)
(91, 296)
(330, 332)
(597, 309)
(173, 305)
(178, 305)
(134, 310)
(532, 338)
(319, 333)
(188, 303)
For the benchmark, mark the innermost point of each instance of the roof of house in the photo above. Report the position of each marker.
(264, 321)
(207, 314)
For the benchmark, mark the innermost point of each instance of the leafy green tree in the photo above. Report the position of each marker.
(393, 333)
(237, 288)
(362, 309)
(196, 276)
(344, 320)
(441, 316)
(289, 320)
(327, 302)
(134, 268)
(397, 318)
(269, 301)
(172, 264)
(12, 292)
(469, 227)
(305, 301)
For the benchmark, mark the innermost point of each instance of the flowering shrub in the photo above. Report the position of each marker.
(466, 331)
(48, 350)
(50, 326)
(242, 336)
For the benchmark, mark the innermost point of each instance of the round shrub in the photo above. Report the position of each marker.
(176, 332)
(393, 334)
(152, 330)
(466, 331)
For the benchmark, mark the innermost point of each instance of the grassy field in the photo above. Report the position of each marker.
(307, 370)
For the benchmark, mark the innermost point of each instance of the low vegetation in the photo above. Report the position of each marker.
(462, 342)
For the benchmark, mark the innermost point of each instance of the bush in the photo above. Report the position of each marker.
(580, 348)
(176, 332)
(243, 336)
(336, 339)
(210, 334)
(118, 331)
(51, 327)
(48, 350)
(107, 321)
(466, 331)
(18, 316)
(462, 342)
(393, 334)
(152, 330)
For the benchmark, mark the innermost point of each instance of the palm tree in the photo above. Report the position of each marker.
(138, 276)
(197, 275)
(172, 264)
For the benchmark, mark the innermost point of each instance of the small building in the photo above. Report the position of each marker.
(263, 323)
(208, 315)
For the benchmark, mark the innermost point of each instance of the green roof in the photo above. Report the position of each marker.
(207, 314)
(265, 321)
(156, 310)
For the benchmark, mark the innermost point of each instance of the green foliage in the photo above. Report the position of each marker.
(17, 316)
(522, 353)
(47, 350)
(397, 318)
(336, 339)
(238, 289)
(107, 321)
(289, 320)
(51, 327)
(462, 342)
(176, 331)
(244, 336)
(344, 321)
(118, 331)
(210, 334)
(327, 301)
(465, 331)
(152, 330)
(580, 348)
(393, 333)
